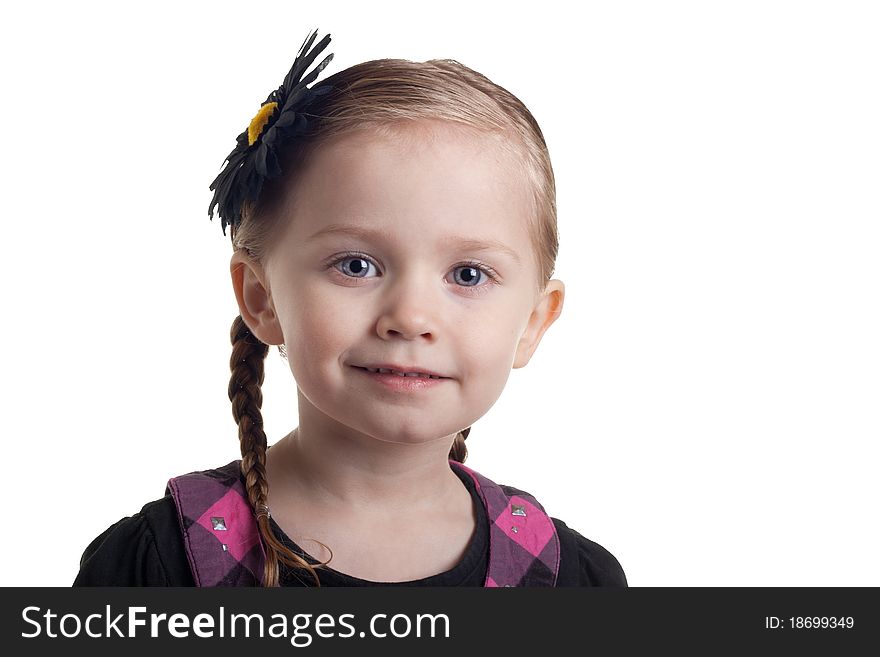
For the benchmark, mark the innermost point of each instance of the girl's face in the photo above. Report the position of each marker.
(409, 251)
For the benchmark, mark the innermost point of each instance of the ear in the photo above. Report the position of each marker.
(254, 299)
(547, 309)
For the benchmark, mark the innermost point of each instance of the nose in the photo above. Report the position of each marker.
(409, 311)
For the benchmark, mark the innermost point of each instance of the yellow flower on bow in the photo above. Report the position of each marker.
(259, 122)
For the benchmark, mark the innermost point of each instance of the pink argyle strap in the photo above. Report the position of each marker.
(223, 544)
(523, 542)
(220, 533)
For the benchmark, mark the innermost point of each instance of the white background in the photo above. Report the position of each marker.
(707, 406)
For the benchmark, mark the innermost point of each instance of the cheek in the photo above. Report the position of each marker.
(489, 345)
(318, 333)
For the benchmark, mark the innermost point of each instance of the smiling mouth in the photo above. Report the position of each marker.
(380, 370)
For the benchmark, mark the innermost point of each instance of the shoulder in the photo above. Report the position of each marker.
(145, 549)
(584, 562)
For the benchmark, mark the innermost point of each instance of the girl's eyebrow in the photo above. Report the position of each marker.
(464, 243)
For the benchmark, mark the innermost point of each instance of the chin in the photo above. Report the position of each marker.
(399, 435)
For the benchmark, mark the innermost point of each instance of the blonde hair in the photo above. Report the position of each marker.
(379, 95)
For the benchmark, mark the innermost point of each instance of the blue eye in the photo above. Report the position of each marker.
(354, 266)
(467, 274)
(469, 277)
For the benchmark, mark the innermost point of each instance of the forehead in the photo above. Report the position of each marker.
(424, 180)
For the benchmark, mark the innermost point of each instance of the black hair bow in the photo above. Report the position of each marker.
(255, 156)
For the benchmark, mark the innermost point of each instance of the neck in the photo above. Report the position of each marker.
(333, 467)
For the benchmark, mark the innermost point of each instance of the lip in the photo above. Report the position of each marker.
(397, 383)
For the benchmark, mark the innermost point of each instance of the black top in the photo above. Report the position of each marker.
(147, 549)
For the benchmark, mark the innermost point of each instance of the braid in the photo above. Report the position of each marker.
(459, 449)
(246, 363)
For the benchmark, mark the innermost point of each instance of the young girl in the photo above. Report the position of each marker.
(394, 234)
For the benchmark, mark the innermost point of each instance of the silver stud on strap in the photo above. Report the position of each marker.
(517, 510)
(219, 524)
(515, 529)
